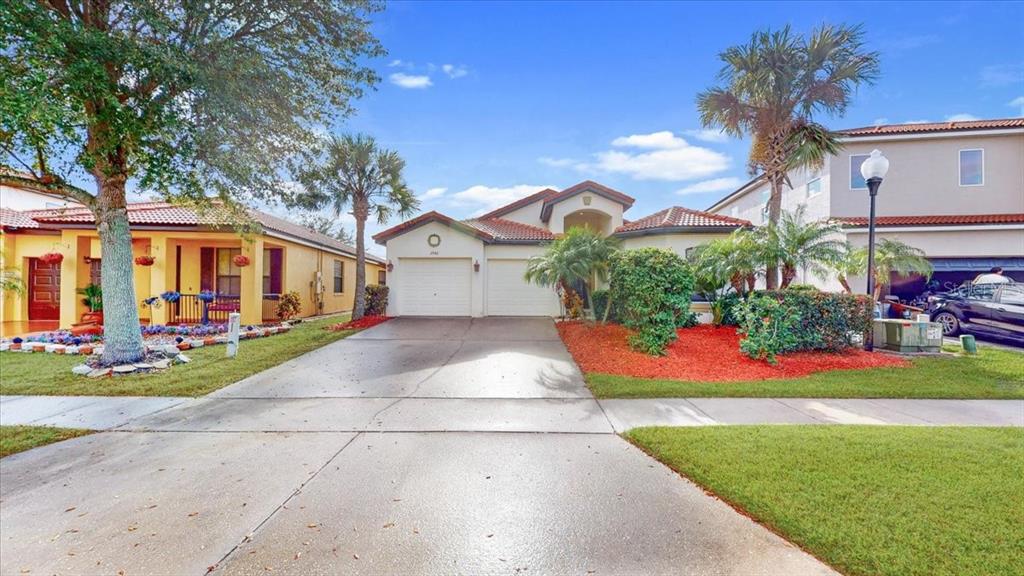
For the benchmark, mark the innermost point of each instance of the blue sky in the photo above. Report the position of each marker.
(488, 101)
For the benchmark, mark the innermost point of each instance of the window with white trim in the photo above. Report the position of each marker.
(857, 181)
(972, 167)
(813, 187)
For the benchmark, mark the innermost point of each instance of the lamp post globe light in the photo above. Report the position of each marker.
(873, 169)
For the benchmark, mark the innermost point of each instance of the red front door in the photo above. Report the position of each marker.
(43, 290)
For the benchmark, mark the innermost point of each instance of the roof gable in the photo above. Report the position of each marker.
(585, 186)
(679, 219)
(426, 218)
(521, 203)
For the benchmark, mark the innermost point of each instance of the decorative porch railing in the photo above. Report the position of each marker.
(189, 309)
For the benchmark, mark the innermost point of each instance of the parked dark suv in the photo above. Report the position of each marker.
(983, 309)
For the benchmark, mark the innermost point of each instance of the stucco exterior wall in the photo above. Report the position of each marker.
(750, 206)
(454, 244)
(924, 179)
(21, 199)
(953, 243)
(556, 223)
(529, 214)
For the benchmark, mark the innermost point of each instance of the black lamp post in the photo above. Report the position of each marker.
(873, 170)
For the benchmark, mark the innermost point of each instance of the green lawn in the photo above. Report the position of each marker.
(14, 439)
(892, 501)
(993, 373)
(47, 374)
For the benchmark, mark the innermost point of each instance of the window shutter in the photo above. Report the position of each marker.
(207, 269)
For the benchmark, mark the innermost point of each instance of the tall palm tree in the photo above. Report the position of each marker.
(771, 90)
(582, 255)
(891, 257)
(808, 246)
(353, 173)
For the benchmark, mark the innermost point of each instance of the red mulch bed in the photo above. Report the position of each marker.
(364, 322)
(702, 353)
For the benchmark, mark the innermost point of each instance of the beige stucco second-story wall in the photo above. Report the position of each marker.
(810, 188)
(924, 176)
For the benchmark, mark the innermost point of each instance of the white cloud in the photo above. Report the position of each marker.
(410, 81)
(1017, 102)
(395, 62)
(658, 140)
(432, 193)
(880, 121)
(671, 158)
(917, 122)
(454, 71)
(709, 135)
(1002, 75)
(486, 198)
(962, 117)
(556, 162)
(727, 184)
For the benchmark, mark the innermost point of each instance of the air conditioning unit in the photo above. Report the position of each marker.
(908, 336)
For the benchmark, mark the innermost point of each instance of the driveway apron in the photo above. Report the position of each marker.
(420, 446)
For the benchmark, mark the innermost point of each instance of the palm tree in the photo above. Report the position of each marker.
(891, 256)
(852, 262)
(807, 246)
(353, 173)
(731, 262)
(772, 89)
(582, 255)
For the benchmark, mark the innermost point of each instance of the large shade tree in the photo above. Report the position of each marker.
(185, 99)
(774, 88)
(352, 173)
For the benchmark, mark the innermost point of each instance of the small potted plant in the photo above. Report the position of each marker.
(145, 260)
(93, 298)
(241, 260)
(170, 296)
(52, 258)
(206, 297)
(153, 302)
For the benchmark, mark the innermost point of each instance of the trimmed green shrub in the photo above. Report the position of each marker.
(803, 287)
(651, 288)
(769, 327)
(727, 306)
(812, 320)
(376, 300)
(687, 320)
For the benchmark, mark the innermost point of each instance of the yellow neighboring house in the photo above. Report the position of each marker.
(176, 249)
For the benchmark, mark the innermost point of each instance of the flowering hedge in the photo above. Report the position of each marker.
(651, 289)
(789, 320)
(376, 300)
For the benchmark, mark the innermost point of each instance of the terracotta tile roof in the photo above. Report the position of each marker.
(15, 219)
(585, 186)
(426, 218)
(679, 217)
(889, 129)
(943, 220)
(165, 214)
(510, 231)
(536, 196)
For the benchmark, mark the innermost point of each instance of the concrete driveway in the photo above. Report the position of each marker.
(421, 446)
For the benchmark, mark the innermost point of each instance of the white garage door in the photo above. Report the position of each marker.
(435, 286)
(509, 295)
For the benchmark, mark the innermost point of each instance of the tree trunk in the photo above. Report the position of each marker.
(845, 284)
(771, 279)
(788, 274)
(361, 211)
(122, 339)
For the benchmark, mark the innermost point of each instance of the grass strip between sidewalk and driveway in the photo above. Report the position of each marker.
(885, 500)
(992, 374)
(14, 439)
(209, 370)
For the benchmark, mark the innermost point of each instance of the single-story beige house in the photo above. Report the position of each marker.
(440, 266)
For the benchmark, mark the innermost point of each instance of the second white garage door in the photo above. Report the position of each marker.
(435, 286)
(508, 294)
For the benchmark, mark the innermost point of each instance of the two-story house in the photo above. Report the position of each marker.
(954, 190)
(439, 266)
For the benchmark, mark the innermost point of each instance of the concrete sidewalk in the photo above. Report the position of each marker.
(88, 412)
(554, 415)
